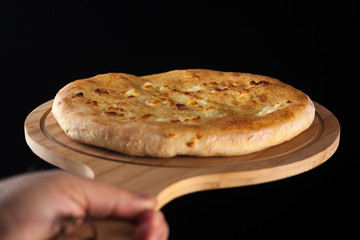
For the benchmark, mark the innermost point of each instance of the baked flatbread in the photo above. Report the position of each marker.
(182, 112)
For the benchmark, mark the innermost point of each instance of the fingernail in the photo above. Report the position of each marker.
(148, 199)
(152, 225)
(146, 196)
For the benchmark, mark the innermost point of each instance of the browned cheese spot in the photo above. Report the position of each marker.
(78, 95)
(253, 83)
(92, 103)
(180, 106)
(101, 92)
(113, 114)
(146, 116)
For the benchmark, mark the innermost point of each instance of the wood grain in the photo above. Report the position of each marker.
(172, 177)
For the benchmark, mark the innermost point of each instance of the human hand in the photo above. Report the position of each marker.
(33, 206)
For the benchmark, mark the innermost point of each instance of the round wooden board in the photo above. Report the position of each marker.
(172, 177)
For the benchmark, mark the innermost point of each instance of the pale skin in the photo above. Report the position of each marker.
(33, 206)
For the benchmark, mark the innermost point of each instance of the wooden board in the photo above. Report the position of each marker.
(173, 177)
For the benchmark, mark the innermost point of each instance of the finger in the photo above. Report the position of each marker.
(152, 225)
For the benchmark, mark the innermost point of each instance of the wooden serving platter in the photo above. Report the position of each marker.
(169, 178)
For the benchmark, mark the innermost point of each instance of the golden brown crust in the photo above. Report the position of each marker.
(182, 112)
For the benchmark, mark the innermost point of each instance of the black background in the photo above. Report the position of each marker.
(312, 45)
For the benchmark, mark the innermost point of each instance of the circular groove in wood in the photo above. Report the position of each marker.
(53, 132)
